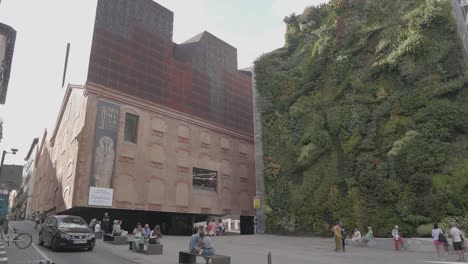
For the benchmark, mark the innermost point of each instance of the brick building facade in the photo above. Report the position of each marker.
(164, 129)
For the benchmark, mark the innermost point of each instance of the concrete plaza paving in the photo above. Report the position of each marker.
(242, 249)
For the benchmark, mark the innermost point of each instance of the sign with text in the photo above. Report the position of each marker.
(100, 196)
(205, 180)
(105, 144)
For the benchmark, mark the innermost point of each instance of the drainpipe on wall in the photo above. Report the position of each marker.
(259, 165)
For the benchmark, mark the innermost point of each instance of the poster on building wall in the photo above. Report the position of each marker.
(206, 180)
(100, 196)
(105, 145)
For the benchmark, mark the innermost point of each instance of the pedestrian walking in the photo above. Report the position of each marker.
(457, 241)
(397, 239)
(439, 240)
(255, 222)
(105, 223)
(344, 235)
(337, 236)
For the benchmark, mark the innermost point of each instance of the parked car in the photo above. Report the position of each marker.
(66, 231)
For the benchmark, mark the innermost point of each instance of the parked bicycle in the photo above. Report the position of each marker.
(21, 240)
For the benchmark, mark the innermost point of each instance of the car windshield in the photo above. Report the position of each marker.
(70, 222)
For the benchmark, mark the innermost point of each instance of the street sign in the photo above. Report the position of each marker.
(256, 202)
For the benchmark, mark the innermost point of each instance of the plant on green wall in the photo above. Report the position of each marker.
(365, 118)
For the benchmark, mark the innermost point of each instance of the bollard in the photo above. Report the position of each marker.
(269, 257)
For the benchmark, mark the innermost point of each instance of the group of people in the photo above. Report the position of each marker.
(200, 243)
(439, 238)
(441, 242)
(95, 225)
(340, 235)
(142, 234)
(214, 228)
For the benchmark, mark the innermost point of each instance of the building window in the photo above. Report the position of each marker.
(131, 127)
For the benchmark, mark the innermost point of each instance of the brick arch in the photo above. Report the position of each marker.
(225, 143)
(156, 191)
(243, 171)
(157, 154)
(225, 167)
(182, 194)
(158, 125)
(183, 132)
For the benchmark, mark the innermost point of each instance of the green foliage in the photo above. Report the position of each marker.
(424, 230)
(365, 118)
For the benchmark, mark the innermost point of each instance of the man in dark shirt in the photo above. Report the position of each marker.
(105, 223)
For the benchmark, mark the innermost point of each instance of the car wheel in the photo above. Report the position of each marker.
(90, 248)
(40, 241)
(53, 245)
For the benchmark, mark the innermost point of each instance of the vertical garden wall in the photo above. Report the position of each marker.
(365, 117)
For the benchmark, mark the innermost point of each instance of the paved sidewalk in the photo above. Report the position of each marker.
(242, 249)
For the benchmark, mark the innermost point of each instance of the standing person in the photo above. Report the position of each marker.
(37, 218)
(208, 227)
(220, 227)
(439, 240)
(213, 228)
(338, 237)
(255, 222)
(105, 223)
(343, 235)
(457, 241)
(92, 224)
(356, 237)
(397, 239)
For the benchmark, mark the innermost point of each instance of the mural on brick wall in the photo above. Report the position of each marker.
(205, 180)
(105, 144)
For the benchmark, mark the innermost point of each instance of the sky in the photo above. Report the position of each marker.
(44, 27)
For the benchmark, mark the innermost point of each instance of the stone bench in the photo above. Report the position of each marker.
(108, 238)
(120, 240)
(116, 240)
(151, 249)
(187, 257)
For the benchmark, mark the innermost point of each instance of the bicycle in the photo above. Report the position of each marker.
(21, 240)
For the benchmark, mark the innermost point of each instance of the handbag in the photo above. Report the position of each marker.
(442, 238)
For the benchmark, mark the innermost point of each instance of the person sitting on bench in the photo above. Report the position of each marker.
(138, 238)
(155, 236)
(368, 237)
(207, 248)
(193, 246)
(116, 230)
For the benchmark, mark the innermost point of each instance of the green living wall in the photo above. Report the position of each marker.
(365, 118)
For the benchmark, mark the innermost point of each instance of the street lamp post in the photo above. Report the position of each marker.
(13, 151)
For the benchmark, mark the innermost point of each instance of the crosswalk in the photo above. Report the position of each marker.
(3, 254)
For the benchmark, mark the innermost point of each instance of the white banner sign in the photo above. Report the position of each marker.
(100, 196)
